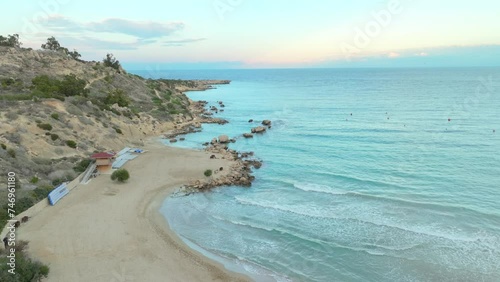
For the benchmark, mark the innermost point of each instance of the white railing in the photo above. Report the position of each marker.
(88, 173)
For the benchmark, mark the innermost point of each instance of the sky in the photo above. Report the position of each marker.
(203, 34)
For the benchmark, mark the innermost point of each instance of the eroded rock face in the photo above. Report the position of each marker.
(266, 122)
(259, 129)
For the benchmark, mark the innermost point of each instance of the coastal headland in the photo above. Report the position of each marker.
(105, 231)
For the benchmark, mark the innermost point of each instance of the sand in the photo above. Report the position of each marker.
(105, 231)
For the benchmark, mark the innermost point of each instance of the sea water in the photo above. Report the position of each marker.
(368, 175)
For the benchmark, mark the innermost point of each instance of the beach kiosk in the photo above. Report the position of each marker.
(103, 161)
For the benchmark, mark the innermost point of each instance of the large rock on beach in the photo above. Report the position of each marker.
(223, 139)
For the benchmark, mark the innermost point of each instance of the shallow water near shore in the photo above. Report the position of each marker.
(369, 174)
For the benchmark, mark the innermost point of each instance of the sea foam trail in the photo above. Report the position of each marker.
(450, 208)
(369, 222)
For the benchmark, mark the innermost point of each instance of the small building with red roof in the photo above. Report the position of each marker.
(103, 161)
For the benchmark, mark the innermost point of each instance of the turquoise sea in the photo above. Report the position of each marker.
(368, 175)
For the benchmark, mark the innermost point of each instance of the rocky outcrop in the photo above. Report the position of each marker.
(259, 129)
(266, 122)
(240, 172)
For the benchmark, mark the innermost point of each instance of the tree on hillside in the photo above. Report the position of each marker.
(111, 61)
(10, 41)
(74, 54)
(52, 44)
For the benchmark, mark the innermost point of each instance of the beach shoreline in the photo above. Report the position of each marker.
(104, 231)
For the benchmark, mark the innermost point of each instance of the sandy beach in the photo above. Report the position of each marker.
(105, 231)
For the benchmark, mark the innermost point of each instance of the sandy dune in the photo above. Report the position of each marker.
(104, 231)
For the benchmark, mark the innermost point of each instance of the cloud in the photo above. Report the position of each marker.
(181, 42)
(92, 43)
(120, 34)
(147, 29)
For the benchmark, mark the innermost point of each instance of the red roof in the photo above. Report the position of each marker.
(102, 155)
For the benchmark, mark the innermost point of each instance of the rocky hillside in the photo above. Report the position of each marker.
(56, 111)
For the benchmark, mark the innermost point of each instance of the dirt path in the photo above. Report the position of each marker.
(94, 80)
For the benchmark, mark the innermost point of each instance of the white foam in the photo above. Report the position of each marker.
(312, 187)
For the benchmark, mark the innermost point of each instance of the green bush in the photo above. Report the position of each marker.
(121, 175)
(16, 97)
(4, 146)
(117, 96)
(23, 204)
(27, 269)
(44, 86)
(82, 165)
(41, 192)
(54, 137)
(119, 131)
(56, 182)
(72, 86)
(44, 126)
(10, 83)
(156, 100)
(71, 143)
(55, 115)
(11, 152)
(208, 172)
(34, 180)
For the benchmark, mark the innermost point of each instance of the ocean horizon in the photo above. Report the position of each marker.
(369, 175)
